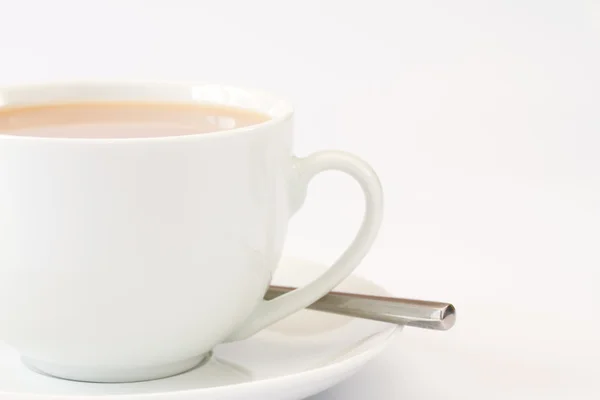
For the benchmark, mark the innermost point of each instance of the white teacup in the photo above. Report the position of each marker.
(80, 302)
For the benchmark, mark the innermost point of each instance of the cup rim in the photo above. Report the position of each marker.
(31, 94)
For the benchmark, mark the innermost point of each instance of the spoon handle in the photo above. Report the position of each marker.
(418, 313)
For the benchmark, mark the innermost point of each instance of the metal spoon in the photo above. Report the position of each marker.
(418, 313)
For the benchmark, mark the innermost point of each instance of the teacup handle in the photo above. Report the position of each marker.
(269, 312)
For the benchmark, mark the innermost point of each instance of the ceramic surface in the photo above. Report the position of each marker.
(130, 259)
(297, 357)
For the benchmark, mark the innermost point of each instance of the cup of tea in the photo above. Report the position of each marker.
(141, 223)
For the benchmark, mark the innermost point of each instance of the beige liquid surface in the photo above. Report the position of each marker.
(123, 120)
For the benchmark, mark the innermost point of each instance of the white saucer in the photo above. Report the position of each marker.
(298, 357)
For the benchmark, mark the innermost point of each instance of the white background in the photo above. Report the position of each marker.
(482, 120)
